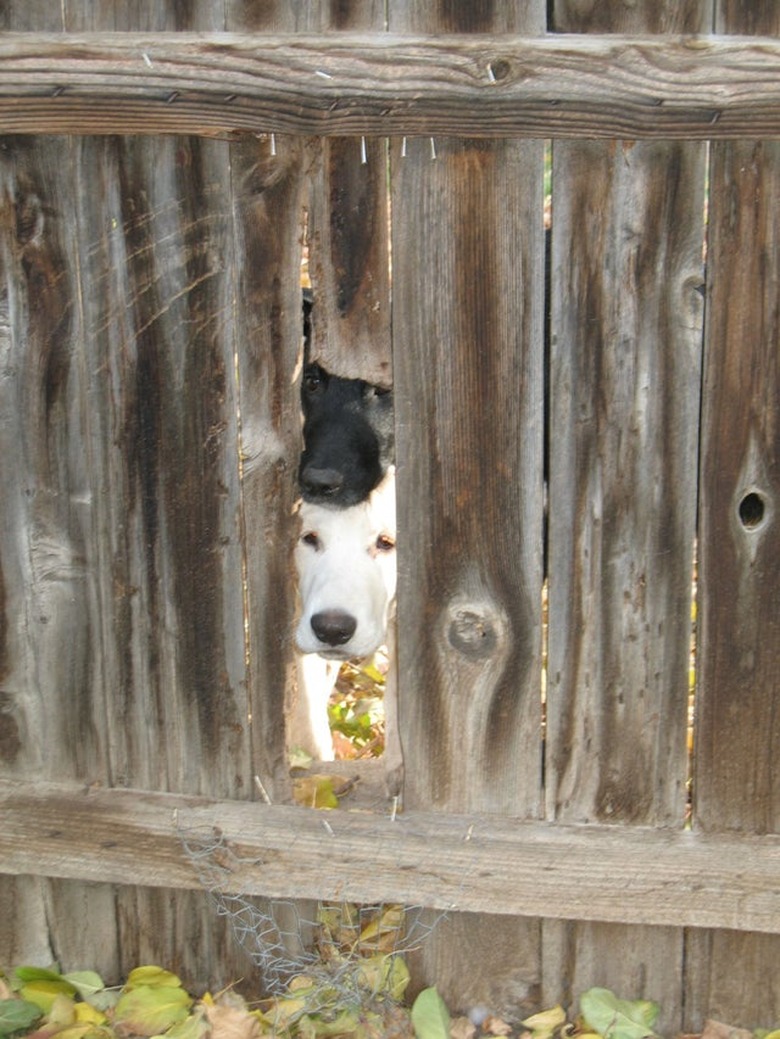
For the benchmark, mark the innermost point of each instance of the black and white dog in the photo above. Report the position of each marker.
(345, 554)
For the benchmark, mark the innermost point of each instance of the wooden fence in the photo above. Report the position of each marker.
(153, 186)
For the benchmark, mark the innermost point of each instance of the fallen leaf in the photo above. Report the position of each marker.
(719, 1030)
(545, 1024)
(16, 1014)
(150, 1010)
(86, 982)
(229, 1022)
(495, 1026)
(462, 1028)
(151, 977)
(315, 792)
(44, 991)
(430, 1016)
(616, 1018)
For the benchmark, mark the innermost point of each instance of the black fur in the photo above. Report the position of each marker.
(348, 433)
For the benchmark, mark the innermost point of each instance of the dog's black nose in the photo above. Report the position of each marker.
(333, 627)
(321, 483)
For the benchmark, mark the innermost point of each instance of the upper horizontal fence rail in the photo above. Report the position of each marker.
(558, 85)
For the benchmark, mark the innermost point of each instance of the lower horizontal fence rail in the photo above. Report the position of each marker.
(471, 863)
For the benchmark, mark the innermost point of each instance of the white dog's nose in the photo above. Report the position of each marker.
(333, 627)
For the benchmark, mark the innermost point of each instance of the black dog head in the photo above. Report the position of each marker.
(348, 434)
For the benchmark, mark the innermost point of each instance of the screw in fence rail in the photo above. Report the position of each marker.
(363, 159)
(403, 148)
(433, 148)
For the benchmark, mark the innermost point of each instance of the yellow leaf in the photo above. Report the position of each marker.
(151, 977)
(545, 1024)
(86, 1014)
(315, 792)
(43, 992)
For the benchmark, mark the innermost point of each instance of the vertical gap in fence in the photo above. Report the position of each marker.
(268, 188)
(625, 357)
(468, 343)
(733, 976)
(348, 240)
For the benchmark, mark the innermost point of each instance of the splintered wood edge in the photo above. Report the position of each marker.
(472, 863)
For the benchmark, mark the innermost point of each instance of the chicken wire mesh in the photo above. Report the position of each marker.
(324, 954)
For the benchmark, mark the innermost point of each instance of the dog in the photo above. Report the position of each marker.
(348, 432)
(345, 560)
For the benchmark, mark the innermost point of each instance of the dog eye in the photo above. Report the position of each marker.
(310, 538)
(385, 543)
(313, 378)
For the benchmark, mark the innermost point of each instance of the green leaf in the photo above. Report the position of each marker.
(85, 982)
(618, 1018)
(430, 1017)
(36, 974)
(16, 1014)
(150, 1010)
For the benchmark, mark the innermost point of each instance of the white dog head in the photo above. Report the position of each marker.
(345, 560)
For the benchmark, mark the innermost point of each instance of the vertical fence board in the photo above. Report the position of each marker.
(467, 226)
(158, 243)
(736, 780)
(268, 195)
(49, 727)
(348, 234)
(136, 444)
(625, 360)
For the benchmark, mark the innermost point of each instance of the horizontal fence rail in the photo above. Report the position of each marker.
(486, 86)
(476, 863)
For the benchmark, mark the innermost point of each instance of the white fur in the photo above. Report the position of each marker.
(345, 571)
(344, 567)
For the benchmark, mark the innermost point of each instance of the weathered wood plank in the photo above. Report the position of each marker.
(625, 363)
(44, 644)
(473, 862)
(348, 84)
(155, 235)
(467, 332)
(736, 779)
(347, 232)
(267, 213)
(52, 720)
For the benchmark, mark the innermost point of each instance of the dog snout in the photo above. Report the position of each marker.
(333, 627)
(321, 483)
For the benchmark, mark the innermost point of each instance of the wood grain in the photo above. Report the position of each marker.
(348, 235)
(472, 862)
(736, 780)
(467, 336)
(352, 84)
(626, 320)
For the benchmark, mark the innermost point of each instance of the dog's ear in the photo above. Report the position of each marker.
(308, 306)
